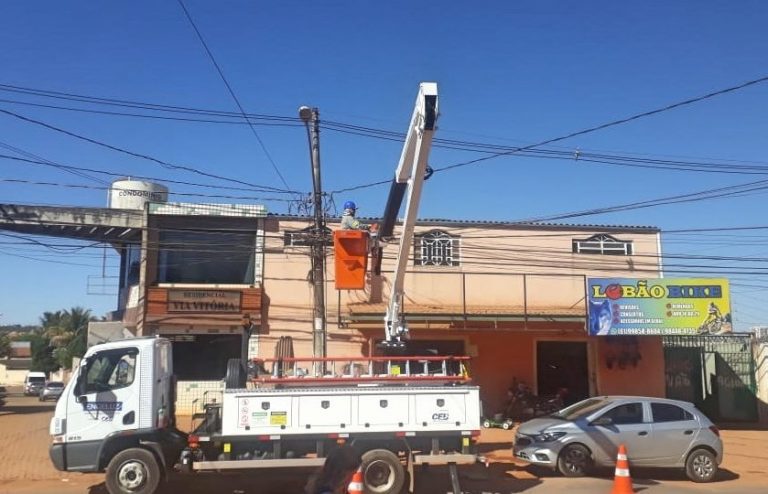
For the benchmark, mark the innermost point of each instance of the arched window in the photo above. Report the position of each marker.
(437, 248)
(602, 243)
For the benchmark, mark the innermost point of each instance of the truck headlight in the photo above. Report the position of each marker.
(548, 437)
(57, 426)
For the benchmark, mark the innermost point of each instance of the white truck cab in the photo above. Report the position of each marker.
(120, 398)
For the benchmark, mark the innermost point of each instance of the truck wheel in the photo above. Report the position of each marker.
(382, 472)
(133, 471)
(235, 378)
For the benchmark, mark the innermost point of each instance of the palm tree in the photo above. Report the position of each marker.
(67, 332)
(55, 328)
(76, 322)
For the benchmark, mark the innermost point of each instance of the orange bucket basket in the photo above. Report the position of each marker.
(351, 258)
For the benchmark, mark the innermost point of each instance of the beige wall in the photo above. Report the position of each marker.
(498, 265)
(12, 377)
(761, 371)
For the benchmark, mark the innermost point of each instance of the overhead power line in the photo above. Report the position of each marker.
(268, 123)
(162, 163)
(588, 130)
(232, 92)
(143, 177)
(724, 166)
(33, 156)
(613, 123)
(187, 194)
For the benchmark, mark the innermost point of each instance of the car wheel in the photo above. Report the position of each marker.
(701, 466)
(505, 426)
(574, 461)
(487, 424)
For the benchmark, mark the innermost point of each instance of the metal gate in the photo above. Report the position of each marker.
(716, 373)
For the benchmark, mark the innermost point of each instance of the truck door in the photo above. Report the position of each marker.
(105, 401)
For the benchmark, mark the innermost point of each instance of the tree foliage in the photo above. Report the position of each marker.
(63, 336)
(5, 345)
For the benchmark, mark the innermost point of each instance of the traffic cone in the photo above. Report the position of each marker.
(356, 485)
(622, 482)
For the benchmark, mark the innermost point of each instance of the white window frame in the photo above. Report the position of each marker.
(603, 244)
(446, 261)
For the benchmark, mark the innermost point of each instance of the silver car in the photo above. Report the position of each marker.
(656, 432)
(51, 391)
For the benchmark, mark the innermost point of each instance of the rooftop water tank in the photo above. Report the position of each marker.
(134, 194)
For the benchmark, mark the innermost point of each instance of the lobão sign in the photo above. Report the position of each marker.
(669, 306)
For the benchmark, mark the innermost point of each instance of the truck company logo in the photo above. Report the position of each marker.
(441, 416)
(103, 406)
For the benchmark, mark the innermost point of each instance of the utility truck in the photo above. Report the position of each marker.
(400, 411)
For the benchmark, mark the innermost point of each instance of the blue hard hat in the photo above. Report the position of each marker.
(349, 205)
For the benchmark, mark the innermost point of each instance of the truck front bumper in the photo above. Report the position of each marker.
(57, 456)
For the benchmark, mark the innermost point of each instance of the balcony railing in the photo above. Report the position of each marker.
(460, 296)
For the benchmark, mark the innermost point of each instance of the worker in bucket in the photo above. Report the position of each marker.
(348, 220)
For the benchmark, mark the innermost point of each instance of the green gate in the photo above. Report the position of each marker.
(716, 373)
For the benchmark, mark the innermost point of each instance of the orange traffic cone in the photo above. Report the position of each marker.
(356, 485)
(622, 482)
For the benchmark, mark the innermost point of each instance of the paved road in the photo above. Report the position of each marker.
(25, 468)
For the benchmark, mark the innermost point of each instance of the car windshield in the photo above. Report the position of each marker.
(581, 409)
(55, 385)
(36, 380)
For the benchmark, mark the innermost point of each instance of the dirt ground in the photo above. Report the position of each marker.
(26, 468)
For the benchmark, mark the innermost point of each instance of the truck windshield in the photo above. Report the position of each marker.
(36, 380)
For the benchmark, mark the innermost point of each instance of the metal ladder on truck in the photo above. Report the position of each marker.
(387, 370)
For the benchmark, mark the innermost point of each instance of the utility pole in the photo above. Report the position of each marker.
(312, 116)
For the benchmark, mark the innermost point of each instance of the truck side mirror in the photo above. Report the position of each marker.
(82, 399)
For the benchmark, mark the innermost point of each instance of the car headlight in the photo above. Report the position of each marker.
(548, 437)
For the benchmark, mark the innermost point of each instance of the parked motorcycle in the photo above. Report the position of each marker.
(524, 405)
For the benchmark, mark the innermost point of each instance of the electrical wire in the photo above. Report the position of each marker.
(186, 194)
(143, 177)
(28, 154)
(708, 166)
(155, 117)
(232, 93)
(163, 163)
(588, 130)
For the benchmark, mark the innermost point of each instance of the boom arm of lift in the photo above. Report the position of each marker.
(407, 184)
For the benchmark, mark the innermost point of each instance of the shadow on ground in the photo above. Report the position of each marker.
(652, 476)
(27, 409)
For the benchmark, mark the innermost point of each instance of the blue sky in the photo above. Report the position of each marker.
(509, 73)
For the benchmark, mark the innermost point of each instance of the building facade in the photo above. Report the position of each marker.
(224, 281)
(510, 296)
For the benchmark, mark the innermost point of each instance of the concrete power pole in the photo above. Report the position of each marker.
(319, 337)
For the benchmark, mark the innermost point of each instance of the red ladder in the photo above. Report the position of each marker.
(332, 371)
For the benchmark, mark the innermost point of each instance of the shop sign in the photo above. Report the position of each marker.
(664, 306)
(203, 301)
